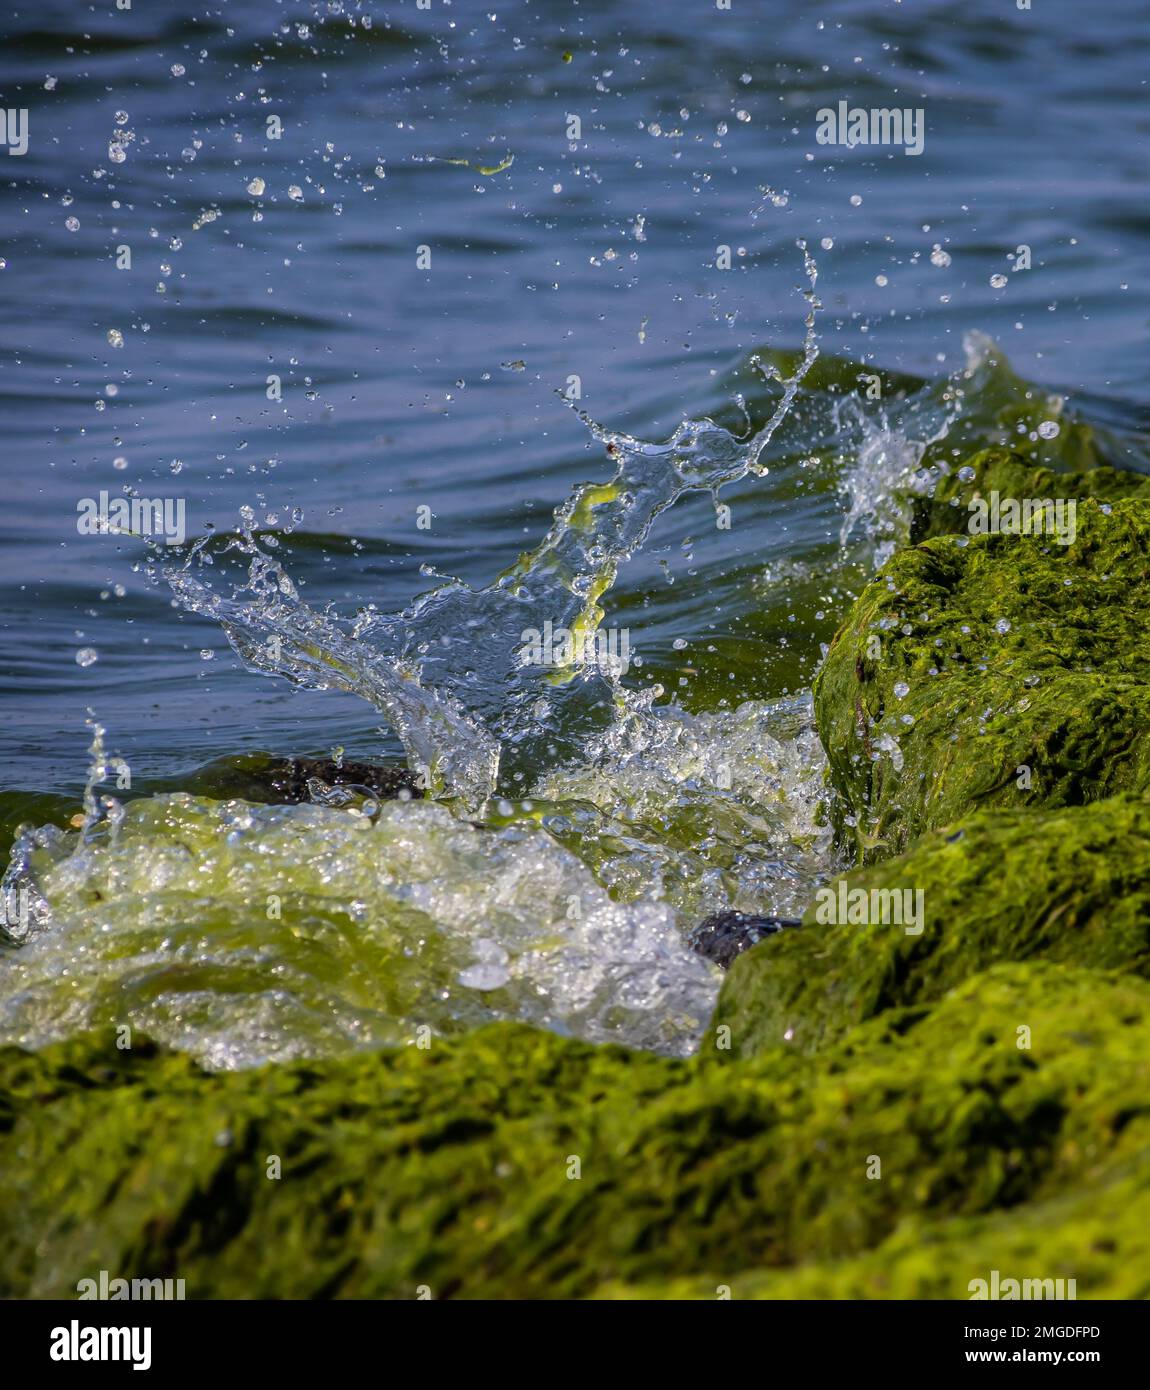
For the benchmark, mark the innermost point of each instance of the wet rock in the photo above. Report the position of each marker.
(726, 935)
(450, 1166)
(1071, 885)
(261, 777)
(1012, 475)
(1095, 1241)
(992, 671)
(294, 779)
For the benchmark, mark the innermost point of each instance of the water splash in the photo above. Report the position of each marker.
(569, 907)
(903, 447)
(244, 934)
(453, 673)
(705, 812)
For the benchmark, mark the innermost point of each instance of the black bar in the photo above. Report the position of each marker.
(799, 1340)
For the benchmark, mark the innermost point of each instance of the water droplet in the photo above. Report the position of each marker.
(86, 656)
(484, 976)
(901, 689)
(490, 971)
(256, 188)
(1050, 429)
(115, 338)
(1002, 627)
(998, 282)
(939, 257)
(72, 223)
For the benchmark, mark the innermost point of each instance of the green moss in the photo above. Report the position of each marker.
(1012, 474)
(1099, 1238)
(1071, 885)
(992, 670)
(454, 1167)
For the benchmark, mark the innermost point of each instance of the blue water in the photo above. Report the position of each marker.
(396, 390)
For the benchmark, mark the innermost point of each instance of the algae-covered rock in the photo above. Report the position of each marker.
(992, 670)
(952, 505)
(1070, 885)
(515, 1163)
(1093, 1243)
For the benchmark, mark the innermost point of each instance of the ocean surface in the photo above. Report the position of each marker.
(332, 276)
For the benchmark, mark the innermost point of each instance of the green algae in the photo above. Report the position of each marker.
(992, 670)
(1070, 885)
(519, 1164)
(1096, 1241)
(1010, 473)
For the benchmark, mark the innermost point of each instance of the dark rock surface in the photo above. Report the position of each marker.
(726, 935)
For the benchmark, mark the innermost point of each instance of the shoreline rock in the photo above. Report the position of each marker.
(518, 1164)
(874, 1112)
(992, 671)
(1070, 885)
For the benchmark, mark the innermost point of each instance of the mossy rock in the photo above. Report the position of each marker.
(992, 670)
(515, 1163)
(1071, 885)
(1095, 1241)
(1012, 475)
